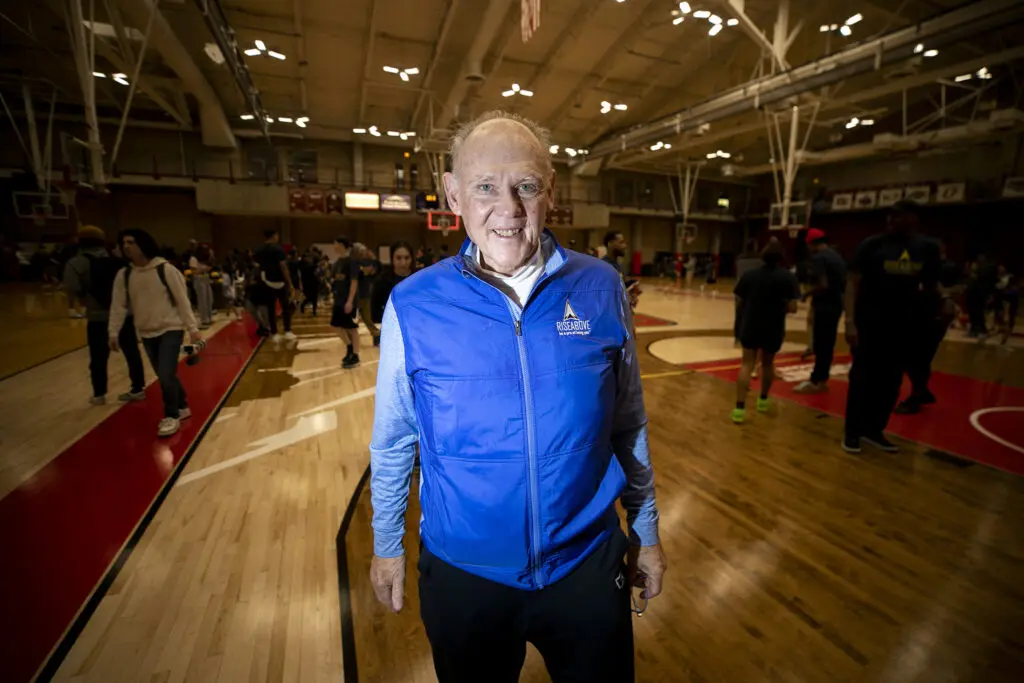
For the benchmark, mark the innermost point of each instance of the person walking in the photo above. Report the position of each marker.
(310, 282)
(154, 293)
(275, 283)
(89, 276)
(826, 290)
(892, 277)
(369, 268)
(345, 274)
(764, 296)
(201, 265)
(514, 368)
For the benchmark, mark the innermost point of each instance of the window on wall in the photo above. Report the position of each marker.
(261, 162)
(302, 166)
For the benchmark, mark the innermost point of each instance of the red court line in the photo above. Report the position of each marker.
(945, 426)
(61, 530)
(641, 320)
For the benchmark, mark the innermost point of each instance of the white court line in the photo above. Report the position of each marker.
(299, 373)
(365, 393)
(329, 375)
(976, 423)
(224, 418)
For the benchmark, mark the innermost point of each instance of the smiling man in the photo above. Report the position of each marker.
(513, 366)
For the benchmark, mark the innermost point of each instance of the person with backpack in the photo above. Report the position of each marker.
(89, 276)
(154, 292)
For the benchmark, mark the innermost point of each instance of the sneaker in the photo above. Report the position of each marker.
(168, 426)
(132, 396)
(911, 406)
(809, 387)
(350, 362)
(851, 444)
(290, 336)
(738, 415)
(98, 400)
(184, 413)
(881, 443)
(763, 405)
(276, 338)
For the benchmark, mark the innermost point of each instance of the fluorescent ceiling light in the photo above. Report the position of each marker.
(97, 74)
(824, 28)
(375, 133)
(570, 151)
(515, 87)
(678, 20)
(854, 19)
(845, 30)
(252, 52)
(702, 14)
(833, 27)
(606, 103)
(508, 93)
(919, 48)
(715, 19)
(621, 107)
(413, 71)
(723, 155)
(410, 133)
(851, 124)
(668, 146)
(553, 149)
(684, 7)
(733, 22)
(711, 155)
(403, 136)
(285, 119)
(391, 69)
(247, 117)
(270, 119)
(963, 77)
(276, 55)
(359, 131)
(526, 93)
(300, 124)
(867, 122)
(931, 53)
(715, 30)
(260, 45)
(984, 74)
(393, 133)
(404, 76)
(302, 119)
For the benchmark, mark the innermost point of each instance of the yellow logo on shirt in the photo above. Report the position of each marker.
(904, 265)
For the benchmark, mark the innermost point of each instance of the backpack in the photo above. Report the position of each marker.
(160, 274)
(100, 282)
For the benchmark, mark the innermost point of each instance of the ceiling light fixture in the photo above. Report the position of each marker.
(853, 123)
(620, 107)
(678, 20)
(402, 73)
(553, 149)
(715, 30)
(701, 14)
(867, 122)
(854, 19)
(931, 53)
(247, 117)
(570, 151)
(261, 49)
(723, 155)
(517, 90)
(393, 133)
(715, 19)
(984, 74)
(684, 7)
(120, 78)
(964, 77)
(733, 22)
(711, 155)
(919, 48)
(824, 28)
(252, 52)
(97, 74)
(833, 27)
(846, 30)
(260, 45)
(276, 55)
(359, 131)
(285, 119)
(270, 119)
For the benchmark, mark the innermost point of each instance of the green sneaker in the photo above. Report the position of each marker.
(763, 405)
(738, 415)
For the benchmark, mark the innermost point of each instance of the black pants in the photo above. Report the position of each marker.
(99, 353)
(919, 363)
(582, 626)
(311, 295)
(271, 297)
(879, 360)
(824, 331)
(163, 355)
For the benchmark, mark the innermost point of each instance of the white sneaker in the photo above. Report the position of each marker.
(132, 396)
(276, 338)
(290, 336)
(168, 426)
(98, 400)
(184, 413)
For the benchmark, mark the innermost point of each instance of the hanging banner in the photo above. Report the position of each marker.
(395, 202)
(296, 199)
(890, 196)
(867, 199)
(363, 201)
(335, 204)
(842, 202)
(921, 194)
(949, 193)
(315, 201)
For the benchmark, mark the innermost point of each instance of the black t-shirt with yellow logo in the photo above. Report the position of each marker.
(898, 277)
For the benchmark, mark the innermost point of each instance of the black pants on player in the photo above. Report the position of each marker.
(582, 626)
(272, 297)
(99, 354)
(824, 331)
(919, 363)
(879, 360)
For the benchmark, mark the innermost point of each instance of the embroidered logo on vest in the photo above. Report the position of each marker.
(571, 325)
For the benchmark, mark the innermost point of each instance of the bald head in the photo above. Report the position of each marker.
(499, 129)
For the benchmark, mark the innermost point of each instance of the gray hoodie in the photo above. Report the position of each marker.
(76, 282)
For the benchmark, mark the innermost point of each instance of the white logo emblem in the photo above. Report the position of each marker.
(571, 325)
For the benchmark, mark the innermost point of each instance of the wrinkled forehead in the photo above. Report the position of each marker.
(500, 145)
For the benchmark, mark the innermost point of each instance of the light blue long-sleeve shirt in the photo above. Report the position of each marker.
(395, 434)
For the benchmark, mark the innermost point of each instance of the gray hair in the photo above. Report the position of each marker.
(465, 130)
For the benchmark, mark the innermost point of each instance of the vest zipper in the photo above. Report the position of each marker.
(531, 454)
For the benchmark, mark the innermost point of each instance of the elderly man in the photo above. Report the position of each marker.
(514, 367)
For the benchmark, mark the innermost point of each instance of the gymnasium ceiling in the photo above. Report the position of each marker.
(584, 53)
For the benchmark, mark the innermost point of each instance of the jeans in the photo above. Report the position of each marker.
(163, 354)
(99, 353)
(824, 331)
(204, 298)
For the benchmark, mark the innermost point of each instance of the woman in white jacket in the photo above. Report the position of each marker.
(154, 292)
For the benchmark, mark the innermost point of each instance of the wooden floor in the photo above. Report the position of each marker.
(790, 560)
(36, 327)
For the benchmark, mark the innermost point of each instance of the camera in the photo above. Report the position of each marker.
(192, 351)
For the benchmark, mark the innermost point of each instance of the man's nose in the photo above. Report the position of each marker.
(509, 203)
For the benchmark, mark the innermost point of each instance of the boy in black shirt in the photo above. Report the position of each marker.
(828, 284)
(276, 285)
(345, 275)
(763, 298)
(892, 279)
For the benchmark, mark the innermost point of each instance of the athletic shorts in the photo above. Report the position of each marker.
(346, 321)
(767, 343)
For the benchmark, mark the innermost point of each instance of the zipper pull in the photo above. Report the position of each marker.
(519, 328)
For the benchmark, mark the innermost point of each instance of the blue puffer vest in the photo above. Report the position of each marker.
(515, 413)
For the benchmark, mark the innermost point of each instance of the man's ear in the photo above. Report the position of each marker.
(451, 191)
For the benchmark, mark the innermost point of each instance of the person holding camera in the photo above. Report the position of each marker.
(154, 292)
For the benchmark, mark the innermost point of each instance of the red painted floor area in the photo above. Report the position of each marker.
(61, 530)
(641, 320)
(946, 426)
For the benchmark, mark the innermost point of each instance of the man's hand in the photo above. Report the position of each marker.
(115, 345)
(348, 308)
(852, 336)
(634, 295)
(387, 574)
(194, 337)
(650, 560)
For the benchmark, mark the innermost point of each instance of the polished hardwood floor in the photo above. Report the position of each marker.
(790, 560)
(36, 326)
